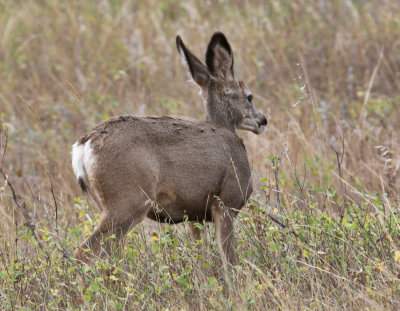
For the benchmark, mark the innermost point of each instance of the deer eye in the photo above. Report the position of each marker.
(250, 98)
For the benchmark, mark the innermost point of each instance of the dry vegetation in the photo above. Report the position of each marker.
(326, 74)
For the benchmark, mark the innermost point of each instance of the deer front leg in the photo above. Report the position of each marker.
(223, 220)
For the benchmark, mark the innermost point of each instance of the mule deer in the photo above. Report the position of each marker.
(170, 169)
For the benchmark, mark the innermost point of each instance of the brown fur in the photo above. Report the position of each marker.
(170, 169)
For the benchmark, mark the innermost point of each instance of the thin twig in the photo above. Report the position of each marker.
(14, 197)
(237, 178)
(54, 199)
(276, 220)
(315, 109)
(294, 172)
(339, 160)
(30, 108)
(275, 166)
(34, 203)
(370, 84)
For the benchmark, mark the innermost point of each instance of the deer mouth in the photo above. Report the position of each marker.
(253, 125)
(262, 125)
(261, 129)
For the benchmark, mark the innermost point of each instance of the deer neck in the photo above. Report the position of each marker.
(220, 113)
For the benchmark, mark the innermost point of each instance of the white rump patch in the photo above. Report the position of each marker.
(89, 159)
(77, 160)
(83, 160)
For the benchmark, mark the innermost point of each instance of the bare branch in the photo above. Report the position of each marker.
(54, 199)
(339, 160)
(34, 202)
(14, 198)
(4, 148)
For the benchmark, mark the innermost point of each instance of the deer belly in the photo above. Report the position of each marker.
(170, 208)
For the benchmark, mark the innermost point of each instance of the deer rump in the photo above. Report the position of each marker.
(179, 167)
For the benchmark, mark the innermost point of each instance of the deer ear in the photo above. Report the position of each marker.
(219, 57)
(197, 69)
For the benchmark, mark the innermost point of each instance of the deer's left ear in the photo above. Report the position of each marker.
(219, 57)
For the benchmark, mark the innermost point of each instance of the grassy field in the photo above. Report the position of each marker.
(322, 229)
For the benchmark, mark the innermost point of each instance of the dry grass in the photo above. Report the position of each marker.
(326, 74)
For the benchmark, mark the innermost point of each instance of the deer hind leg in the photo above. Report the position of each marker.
(194, 231)
(114, 221)
(223, 220)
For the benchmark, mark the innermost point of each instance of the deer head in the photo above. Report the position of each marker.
(227, 100)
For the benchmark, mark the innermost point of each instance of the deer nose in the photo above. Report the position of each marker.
(263, 121)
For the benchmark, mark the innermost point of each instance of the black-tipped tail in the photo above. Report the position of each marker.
(82, 184)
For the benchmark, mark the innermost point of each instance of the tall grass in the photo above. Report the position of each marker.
(322, 228)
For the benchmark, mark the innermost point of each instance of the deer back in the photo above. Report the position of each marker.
(177, 163)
